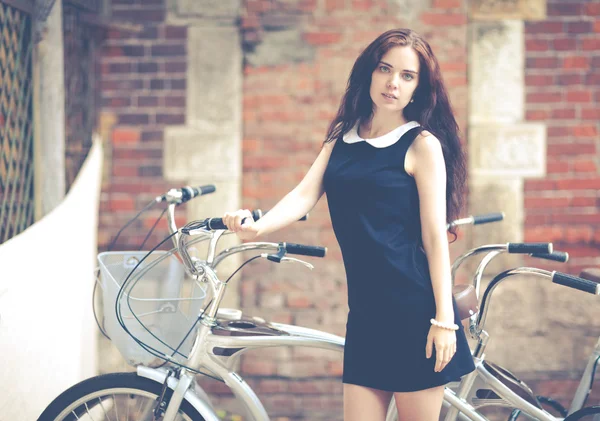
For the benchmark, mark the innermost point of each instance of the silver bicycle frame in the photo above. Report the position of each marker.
(583, 389)
(483, 378)
(216, 353)
(208, 350)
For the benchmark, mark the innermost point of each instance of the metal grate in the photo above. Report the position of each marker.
(80, 90)
(16, 123)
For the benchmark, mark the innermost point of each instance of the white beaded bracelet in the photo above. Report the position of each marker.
(447, 326)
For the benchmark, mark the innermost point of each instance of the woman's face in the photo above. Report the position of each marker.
(395, 79)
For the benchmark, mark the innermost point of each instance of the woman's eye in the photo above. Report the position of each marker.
(384, 69)
(408, 76)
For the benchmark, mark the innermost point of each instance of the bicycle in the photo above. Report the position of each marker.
(220, 336)
(586, 381)
(166, 385)
(493, 385)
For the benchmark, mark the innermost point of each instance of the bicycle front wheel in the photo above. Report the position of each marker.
(114, 397)
(591, 413)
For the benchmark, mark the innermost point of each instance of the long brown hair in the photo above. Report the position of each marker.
(431, 107)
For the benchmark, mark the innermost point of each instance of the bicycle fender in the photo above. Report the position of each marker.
(202, 406)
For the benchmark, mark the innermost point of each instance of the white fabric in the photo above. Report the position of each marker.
(47, 330)
(384, 141)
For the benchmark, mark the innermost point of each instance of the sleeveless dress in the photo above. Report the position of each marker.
(374, 208)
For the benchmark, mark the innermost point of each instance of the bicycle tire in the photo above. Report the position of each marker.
(93, 396)
(590, 413)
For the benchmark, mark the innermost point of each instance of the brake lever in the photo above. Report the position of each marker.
(294, 260)
(287, 259)
(196, 231)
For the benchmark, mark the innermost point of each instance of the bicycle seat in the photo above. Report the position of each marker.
(466, 300)
(591, 274)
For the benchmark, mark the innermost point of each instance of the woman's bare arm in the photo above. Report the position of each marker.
(429, 171)
(292, 207)
(427, 165)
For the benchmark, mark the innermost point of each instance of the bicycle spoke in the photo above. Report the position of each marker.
(147, 410)
(133, 398)
(139, 409)
(87, 409)
(116, 407)
(104, 410)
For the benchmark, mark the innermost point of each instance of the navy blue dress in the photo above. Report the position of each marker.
(374, 208)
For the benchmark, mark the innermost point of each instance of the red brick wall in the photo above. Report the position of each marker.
(287, 109)
(563, 91)
(144, 86)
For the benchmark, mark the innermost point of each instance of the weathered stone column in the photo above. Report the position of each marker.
(208, 148)
(49, 112)
(503, 151)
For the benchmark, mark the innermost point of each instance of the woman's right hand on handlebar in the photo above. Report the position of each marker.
(246, 231)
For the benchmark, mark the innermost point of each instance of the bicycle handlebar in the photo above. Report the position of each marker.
(486, 219)
(217, 223)
(556, 277)
(186, 193)
(529, 248)
(477, 219)
(576, 282)
(513, 248)
(556, 256)
(304, 250)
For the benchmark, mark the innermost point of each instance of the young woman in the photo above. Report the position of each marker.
(393, 170)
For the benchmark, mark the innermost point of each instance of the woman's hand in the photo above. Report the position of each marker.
(444, 341)
(246, 231)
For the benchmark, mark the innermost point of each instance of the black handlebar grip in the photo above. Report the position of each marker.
(257, 214)
(557, 256)
(487, 218)
(303, 250)
(530, 248)
(209, 188)
(576, 283)
(188, 192)
(215, 224)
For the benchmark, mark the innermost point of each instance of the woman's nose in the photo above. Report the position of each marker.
(392, 82)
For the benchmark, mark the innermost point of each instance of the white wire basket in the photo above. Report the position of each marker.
(160, 304)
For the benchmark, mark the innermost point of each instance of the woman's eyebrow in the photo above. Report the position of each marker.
(390, 66)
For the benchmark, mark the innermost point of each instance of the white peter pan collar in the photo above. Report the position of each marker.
(384, 141)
